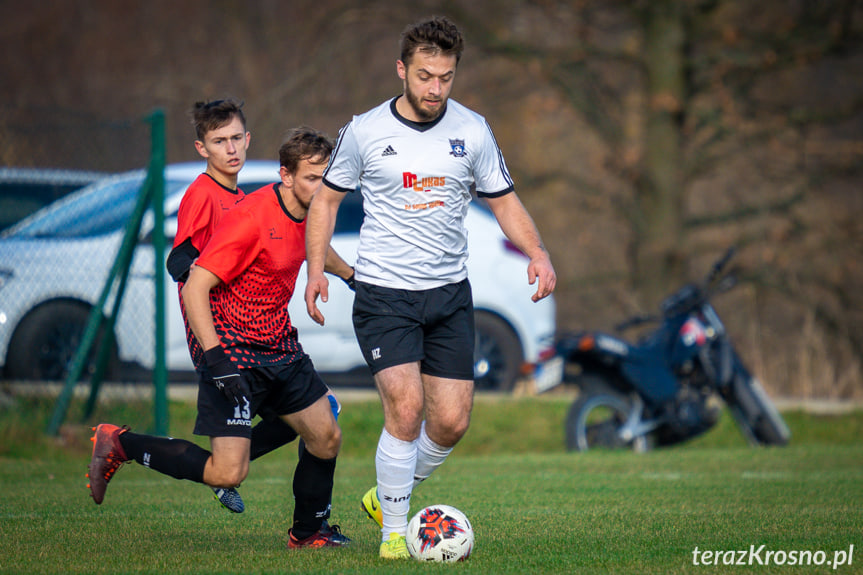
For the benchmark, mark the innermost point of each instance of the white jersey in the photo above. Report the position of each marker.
(416, 179)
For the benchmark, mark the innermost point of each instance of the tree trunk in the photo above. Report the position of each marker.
(657, 256)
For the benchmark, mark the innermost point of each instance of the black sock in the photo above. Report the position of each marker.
(270, 434)
(175, 457)
(313, 489)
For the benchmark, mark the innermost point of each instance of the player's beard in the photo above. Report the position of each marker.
(304, 205)
(416, 105)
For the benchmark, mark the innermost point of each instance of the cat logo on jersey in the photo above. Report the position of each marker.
(457, 148)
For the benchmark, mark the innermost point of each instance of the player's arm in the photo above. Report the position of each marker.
(194, 218)
(221, 371)
(196, 298)
(335, 265)
(181, 259)
(320, 223)
(519, 227)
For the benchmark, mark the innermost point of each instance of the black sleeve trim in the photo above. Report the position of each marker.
(180, 260)
(337, 188)
(495, 194)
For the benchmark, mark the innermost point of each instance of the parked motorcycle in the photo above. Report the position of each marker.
(666, 388)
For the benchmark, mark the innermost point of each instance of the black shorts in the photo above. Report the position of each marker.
(276, 390)
(435, 327)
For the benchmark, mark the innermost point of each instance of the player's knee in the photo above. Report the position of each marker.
(449, 432)
(229, 476)
(327, 445)
(452, 436)
(460, 428)
(406, 419)
(333, 442)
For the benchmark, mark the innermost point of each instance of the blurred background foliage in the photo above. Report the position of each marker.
(644, 136)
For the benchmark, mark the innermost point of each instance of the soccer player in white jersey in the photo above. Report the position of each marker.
(415, 158)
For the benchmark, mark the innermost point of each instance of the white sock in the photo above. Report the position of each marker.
(395, 461)
(430, 455)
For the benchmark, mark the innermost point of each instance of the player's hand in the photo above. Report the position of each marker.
(318, 286)
(226, 377)
(540, 268)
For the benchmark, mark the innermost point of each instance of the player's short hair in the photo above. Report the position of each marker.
(435, 35)
(212, 115)
(304, 143)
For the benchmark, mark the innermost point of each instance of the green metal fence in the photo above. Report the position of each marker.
(35, 337)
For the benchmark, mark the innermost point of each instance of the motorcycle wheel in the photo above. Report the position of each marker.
(755, 414)
(595, 418)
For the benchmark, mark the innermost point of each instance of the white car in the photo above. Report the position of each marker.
(54, 264)
(25, 190)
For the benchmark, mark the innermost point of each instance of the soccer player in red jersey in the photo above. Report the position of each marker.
(236, 299)
(222, 140)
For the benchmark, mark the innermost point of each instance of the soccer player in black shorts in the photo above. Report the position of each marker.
(222, 140)
(415, 158)
(236, 299)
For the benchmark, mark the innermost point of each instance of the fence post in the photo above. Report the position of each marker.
(115, 286)
(160, 375)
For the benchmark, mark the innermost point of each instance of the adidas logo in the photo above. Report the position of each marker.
(389, 152)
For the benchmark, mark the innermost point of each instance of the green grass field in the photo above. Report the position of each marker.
(534, 507)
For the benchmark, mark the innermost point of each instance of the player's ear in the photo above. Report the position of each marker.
(202, 150)
(287, 177)
(401, 69)
(248, 139)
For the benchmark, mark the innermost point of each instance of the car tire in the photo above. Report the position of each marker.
(45, 342)
(497, 355)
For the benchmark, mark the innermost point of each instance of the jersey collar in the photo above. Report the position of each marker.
(282, 204)
(218, 183)
(418, 126)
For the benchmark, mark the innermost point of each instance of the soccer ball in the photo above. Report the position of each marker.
(440, 533)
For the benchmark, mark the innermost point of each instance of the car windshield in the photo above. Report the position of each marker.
(96, 210)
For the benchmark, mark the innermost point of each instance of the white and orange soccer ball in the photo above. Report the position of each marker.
(440, 533)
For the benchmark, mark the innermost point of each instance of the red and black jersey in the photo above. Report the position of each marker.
(201, 210)
(256, 251)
